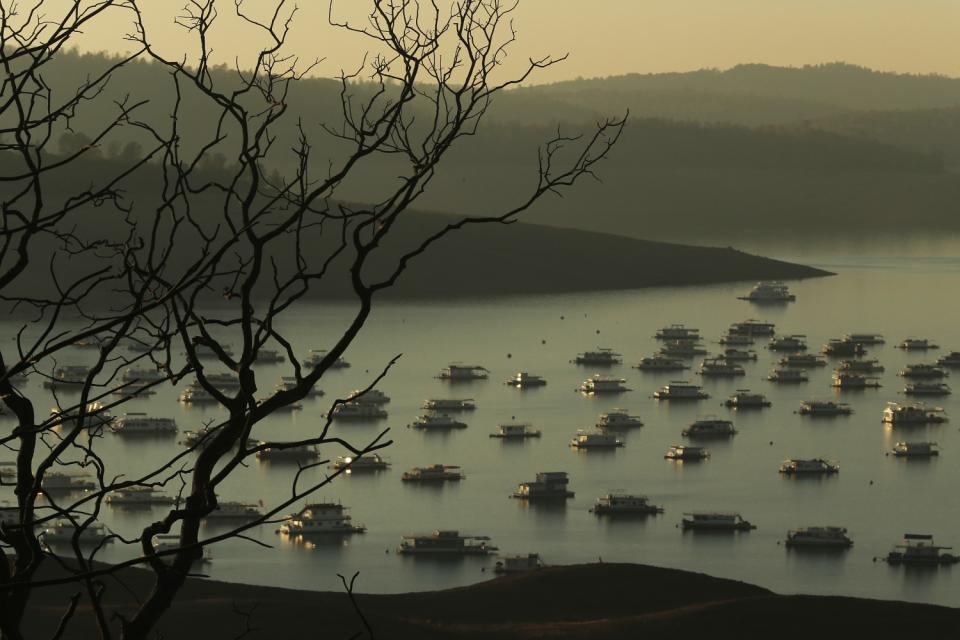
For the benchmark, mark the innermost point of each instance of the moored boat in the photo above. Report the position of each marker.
(844, 380)
(134, 424)
(518, 564)
(680, 390)
(686, 453)
(515, 431)
(624, 504)
(441, 422)
(601, 357)
(919, 549)
(915, 449)
(813, 466)
(618, 419)
(660, 362)
(434, 473)
(746, 399)
(524, 380)
(599, 384)
(720, 368)
(816, 408)
(321, 518)
(445, 543)
(922, 372)
(715, 521)
(709, 428)
(916, 344)
(595, 440)
(794, 342)
(549, 485)
(752, 328)
(896, 414)
(819, 537)
(769, 292)
(677, 332)
(787, 376)
(456, 372)
(927, 389)
(448, 404)
(357, 464)
(951, 360)
(354, 410)
(134, 497)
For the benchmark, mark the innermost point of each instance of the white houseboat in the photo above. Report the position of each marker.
(843, 380)
(752, 328)
(368, 462)
(746, 399)
(801, 361)
(660, 362)
(917, 344)
(795, 342)
(233, 511)
(927, 389)
(600, 384)
(518, 564)
(787, 376)
(720, 367)
(448, 404)
(919, 550)
(897, 415)
(680, 390)
(677, 332)
(135, 424)
(137, 497)
(456, 372)
(321, 518)
(353, 410)
(769, 292)
(827, 408)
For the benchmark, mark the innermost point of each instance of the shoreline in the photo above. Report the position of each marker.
(603, 600)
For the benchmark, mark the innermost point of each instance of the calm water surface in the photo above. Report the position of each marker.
(878, 498)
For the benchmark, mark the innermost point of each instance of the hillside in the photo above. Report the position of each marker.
(603, 601)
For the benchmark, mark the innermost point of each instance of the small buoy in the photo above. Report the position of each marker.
(561, 317)
(871, 482)
(598, 331)
(509, 355)
(482, 569)
(543, 342)
(771, 443)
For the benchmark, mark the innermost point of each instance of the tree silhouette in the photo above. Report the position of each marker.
(169, 259)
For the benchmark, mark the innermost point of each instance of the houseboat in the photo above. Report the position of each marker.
(197, 395)
(864, 338)
(661, 362)
(600, 384)
(720, 368)
(137, 497)
(915, 449)
(57, 483)
(354, 410)
(746, 399)
(897, 415)
(919, 550)
(448, 405)
(518, 564)
(736, 340)
(288, 383)
(769, 292)
(922, 371)
(801, 361)
(321, 518)
(595, 440)
(680, 391)
(515, 431)
(861, 366)
(709, 428)
(686, 453)
(682, 349)
(441, 422)
(739, 355)
(315, 356)
(234, 512)
(445, 543)
(456, 372)
(951, 360)
(549, 485)
(814, 466)
(927, 389)
(752, 328)
(370, 396)
(62, 532)
(819, 537)
(601, 357)
(715, 521)
(794, 342)
(826, 408)
(917, 344)
(66, 377)
(624, 504)
(358, 464)
(524, 380)
(840, 348)
(787, 376)
(135, 424)
(300, 453)
(168, 543)
(677, 332)
(434, 473)
(135, 378)
(618, 419)
(843, 380)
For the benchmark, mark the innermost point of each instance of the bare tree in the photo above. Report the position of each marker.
(200, 270)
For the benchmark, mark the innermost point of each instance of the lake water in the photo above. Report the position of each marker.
(876, 497)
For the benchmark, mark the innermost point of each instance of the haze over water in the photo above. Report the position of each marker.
(877, 497)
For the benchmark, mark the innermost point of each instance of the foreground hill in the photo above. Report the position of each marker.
(583, 601)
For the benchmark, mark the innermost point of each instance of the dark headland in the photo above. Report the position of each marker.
(521, 258)
(580, 601)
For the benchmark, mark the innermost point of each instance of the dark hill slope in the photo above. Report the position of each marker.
(584, 601)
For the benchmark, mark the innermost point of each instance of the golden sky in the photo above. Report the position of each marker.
(606, 37)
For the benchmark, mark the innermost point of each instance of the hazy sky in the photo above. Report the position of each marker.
(605, 37)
